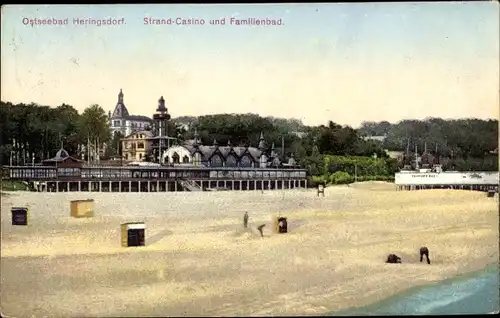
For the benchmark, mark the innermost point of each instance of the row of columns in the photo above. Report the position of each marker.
(165, 186)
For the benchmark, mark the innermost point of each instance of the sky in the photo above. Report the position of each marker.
(343, 62)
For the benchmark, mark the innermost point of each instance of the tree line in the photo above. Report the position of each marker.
(466, 138)
(464, 144)
(34, 133)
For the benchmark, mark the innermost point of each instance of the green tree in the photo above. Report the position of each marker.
(114, 148)
(94, 127)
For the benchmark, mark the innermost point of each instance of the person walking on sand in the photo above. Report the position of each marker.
(260, 230)
(245, 220)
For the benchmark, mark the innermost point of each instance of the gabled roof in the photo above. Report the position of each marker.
(61, 156)
(209, 151)
(138, 118)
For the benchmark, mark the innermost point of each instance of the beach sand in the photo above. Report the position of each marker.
(199, 261)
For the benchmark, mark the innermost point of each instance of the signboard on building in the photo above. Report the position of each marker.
(447, 178)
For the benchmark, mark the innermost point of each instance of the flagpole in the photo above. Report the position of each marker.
(88, 149)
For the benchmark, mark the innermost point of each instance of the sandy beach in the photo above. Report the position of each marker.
(200, 261)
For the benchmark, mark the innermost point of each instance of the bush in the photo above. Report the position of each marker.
(9, 185)
(341, 177)
(317, 180)
(361, 166)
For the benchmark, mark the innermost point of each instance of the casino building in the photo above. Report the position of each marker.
(190, 166)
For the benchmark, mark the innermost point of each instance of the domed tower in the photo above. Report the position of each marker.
(119, 115)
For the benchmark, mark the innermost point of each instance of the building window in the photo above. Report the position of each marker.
(245, 162)
(230, 161)
(140, 156)
(140, 145)
(116, 123)
(216, 161)
(185, 159)
(64, 172)
(175, 158)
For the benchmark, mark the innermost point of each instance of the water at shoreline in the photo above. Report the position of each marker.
(474, 293)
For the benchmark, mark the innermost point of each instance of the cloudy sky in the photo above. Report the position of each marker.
(343, 62)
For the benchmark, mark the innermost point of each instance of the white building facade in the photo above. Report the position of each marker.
(121, 121)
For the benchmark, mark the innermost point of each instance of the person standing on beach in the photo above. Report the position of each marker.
(245, 220)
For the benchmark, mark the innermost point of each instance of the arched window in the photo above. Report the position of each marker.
(230, 161)
(216, 161)
(175, 158)
(185, 159)
(245, 161)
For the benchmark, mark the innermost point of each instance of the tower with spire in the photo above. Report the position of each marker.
(197, 141)
(262, 147)
(120, 110)
(436, 165)
(121, 121)
(262, 142)
(160, 125)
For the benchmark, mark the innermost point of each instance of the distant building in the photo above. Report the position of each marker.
(63, 159)
(155, 145)
(196, 154)
(157, 163)
(137, 146)
(377, 138)
(122, 121)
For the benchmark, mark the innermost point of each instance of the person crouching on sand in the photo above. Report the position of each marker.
(424, 251)
(260, 228)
